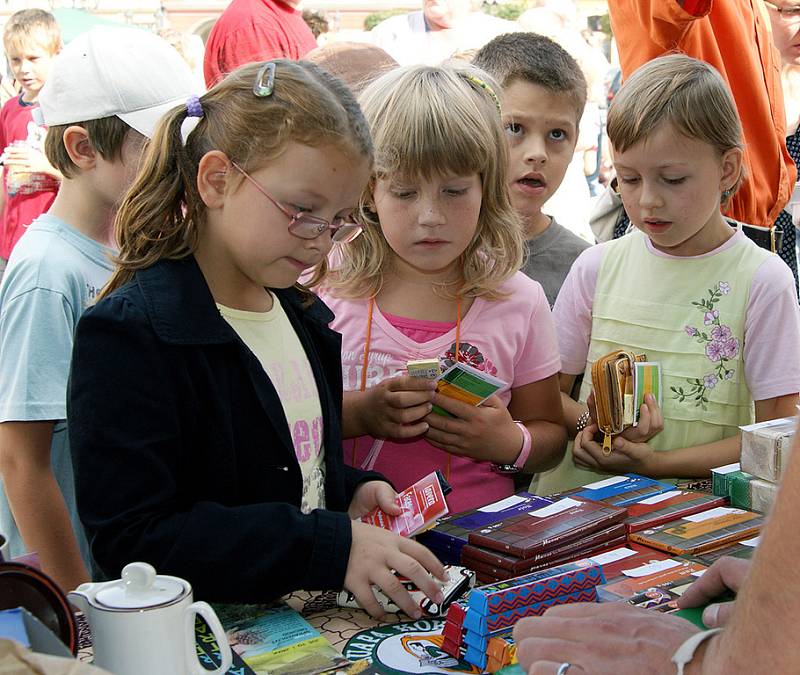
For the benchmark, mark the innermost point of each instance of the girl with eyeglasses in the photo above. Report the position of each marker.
(206, 391)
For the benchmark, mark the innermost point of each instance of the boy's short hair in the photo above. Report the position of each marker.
(30, 25)
(106, 135)
(536, 59)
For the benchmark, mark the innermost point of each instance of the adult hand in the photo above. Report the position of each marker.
(626, 456)
(371, 495)
(485, 432)
(375, 554)
(395, 407)
(726, 574)
(600, 639)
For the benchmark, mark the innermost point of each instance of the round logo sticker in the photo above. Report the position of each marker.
(401, 648)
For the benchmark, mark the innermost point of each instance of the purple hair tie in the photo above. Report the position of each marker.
(193, 107)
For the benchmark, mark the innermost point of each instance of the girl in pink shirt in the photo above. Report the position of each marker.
(435, 275)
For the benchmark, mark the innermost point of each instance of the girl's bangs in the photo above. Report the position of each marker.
(428, 144)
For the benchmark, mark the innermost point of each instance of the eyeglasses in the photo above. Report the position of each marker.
(789, 13)
(302, 224)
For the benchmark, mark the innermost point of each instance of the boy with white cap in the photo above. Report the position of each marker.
(106, 92)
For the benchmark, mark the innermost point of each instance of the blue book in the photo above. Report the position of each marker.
(621, 490)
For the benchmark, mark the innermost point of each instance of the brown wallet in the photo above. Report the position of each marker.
(612, 379)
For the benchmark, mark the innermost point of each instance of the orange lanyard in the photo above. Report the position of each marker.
(365, 362)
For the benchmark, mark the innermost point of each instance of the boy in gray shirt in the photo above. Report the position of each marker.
(543, 96)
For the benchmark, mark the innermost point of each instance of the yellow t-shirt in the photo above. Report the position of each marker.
(271, 337)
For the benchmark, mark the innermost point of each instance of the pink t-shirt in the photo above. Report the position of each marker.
(512, 338)
(772, 323)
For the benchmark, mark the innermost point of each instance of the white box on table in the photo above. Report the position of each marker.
(766, 447)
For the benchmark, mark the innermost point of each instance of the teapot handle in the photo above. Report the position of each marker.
(204, 609)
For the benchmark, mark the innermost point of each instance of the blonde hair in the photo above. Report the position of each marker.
(428, 121)
(162, 212)
(32, 26)
(678, 90)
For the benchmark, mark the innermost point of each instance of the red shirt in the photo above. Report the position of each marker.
(255, 30)
(21, 209)
(734, 37)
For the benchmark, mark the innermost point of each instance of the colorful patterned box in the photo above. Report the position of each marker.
(483, 625)
(536, 587)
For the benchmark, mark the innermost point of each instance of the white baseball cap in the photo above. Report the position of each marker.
(107, 71)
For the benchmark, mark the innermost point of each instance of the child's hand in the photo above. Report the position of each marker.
(374, 554)
(651, 419)
(626, 456)
(371, 495)
(27, 158)
(651, 422)
(395, 408)
(485, 432)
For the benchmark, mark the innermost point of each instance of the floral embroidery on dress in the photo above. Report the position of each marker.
(470, 355)
(721, 346)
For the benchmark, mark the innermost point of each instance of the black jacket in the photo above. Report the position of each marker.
(181, 449)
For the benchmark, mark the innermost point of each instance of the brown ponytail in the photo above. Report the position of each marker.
(162, 213)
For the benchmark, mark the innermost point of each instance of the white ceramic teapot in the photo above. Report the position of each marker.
(144, 623)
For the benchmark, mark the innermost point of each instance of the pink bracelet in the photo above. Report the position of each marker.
(527, 442)
(522, 458)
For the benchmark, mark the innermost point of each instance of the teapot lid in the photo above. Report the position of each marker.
(140, 588)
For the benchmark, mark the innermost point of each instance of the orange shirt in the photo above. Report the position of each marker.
(734, 37)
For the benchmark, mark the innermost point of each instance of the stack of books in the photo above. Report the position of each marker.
(450, 535)
(567, 529)
(703, 531)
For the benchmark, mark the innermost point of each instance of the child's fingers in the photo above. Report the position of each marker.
(365, 597)
(458, 408)
(416, 573)
(409, 383)
(403, 431)
(394, 589)
(656, 415)
(386, 498)
(425, 557)
(409, 407)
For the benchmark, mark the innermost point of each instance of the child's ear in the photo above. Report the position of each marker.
(213, 173)
(732, 167)
(79, 148)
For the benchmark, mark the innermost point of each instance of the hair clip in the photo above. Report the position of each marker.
(478, 82)
(193, 107)
(261, 88)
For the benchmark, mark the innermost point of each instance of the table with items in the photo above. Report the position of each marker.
(624, 538)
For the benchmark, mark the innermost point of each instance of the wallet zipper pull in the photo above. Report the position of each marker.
(606, 444)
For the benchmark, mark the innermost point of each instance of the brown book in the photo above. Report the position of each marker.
(660, 510)
(578, 548)
(501, 574)
(550, 527)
